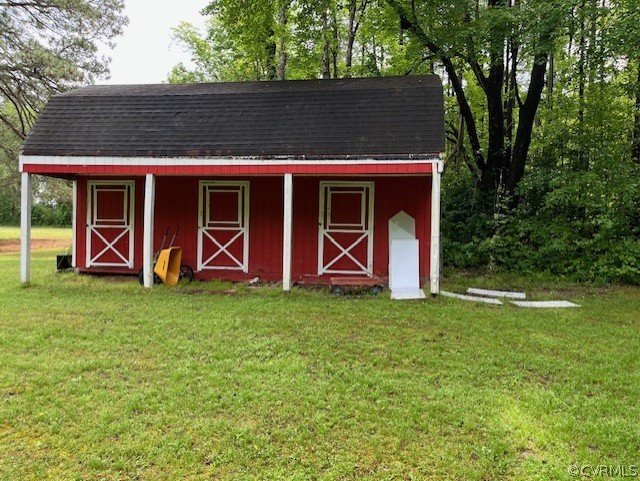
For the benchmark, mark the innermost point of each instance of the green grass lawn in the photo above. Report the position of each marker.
(38, 233)
(103, 380)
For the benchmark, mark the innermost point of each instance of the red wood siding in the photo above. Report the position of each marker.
(177, 206)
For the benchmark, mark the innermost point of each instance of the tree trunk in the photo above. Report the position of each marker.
(466, 113)
(510, 92)
(525, 124)
(581, 87)
(351, 37)
(270, 54)
(635, 149)
(551, 78)
(498, 170)
(409, 20)
(334, 43)
(326, 57)
(497, 162)
(282, 57)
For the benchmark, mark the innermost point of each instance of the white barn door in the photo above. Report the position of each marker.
(345, 238)
(223, 225)
(110, 224)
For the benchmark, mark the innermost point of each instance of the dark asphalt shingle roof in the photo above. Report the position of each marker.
(314, 118)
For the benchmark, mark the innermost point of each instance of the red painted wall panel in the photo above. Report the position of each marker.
(379, 168)
(413, 195)
(266, 227)
(304, 254)
(177, 209)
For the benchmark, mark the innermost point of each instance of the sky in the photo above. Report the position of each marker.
(145, 53)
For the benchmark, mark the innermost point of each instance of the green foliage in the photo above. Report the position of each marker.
(48, 47)
(9, 176)
(466, 222)
(58, 215)
(9, 214)
(251, 27)
(215, 55)
(245, 41)
(578, 203)
(42, 214)
(573, 212)
(582, 225)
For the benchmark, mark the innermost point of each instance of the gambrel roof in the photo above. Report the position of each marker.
(376, 117)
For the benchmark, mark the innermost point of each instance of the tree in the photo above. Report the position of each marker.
(503, 43)
(215, 55)
(46, 47)
(625, 40)
(9, 175)
(252, 25)
(282, 39)
(49, 46)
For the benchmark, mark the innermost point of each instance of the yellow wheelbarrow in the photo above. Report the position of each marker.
(167, 267)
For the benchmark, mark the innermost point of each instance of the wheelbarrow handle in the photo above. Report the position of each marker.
(164, 239)
(173, 239)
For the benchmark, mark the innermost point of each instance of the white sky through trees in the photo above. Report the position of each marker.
(145, 53)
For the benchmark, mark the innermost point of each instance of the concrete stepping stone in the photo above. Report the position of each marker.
(493, 293)
(544, 304)
(486, 300)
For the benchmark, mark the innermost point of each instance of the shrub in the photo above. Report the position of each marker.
(580, 224)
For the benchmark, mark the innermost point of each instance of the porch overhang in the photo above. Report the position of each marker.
(202, 166)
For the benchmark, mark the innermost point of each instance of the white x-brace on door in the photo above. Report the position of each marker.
(345, 237)
(223, 225)
(110, 223)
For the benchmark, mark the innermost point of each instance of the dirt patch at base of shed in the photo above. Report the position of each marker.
(13, 245)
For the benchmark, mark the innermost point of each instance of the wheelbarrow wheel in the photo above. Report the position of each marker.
(337, 291)
(186, 273)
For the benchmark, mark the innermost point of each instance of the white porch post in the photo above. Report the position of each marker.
(74, 225)
(435, 228)
(147, 242)
(25, 228)
(287, 237)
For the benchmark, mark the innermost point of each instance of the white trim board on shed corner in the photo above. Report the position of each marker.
(544, 304)
(486, 300)
(495, 293)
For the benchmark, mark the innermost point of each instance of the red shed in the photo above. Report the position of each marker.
(293, 181)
